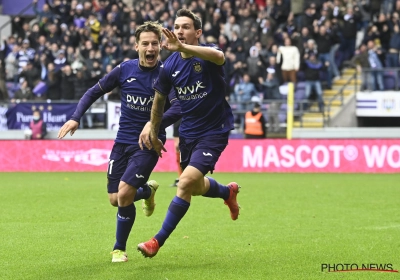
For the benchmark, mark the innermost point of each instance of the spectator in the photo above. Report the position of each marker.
(375, 63)
(60, 60)
(332, 30)
(38, 126)
(61, 10)
(324, 43)
(384, 31)
(254, 124)
(312, 68)
(234, 71)
(244, 90)
(11, 62)
(255, 67)
(67, 83)
(361, 61)
(94, 26)
(30, 74)
(231, 26)
(310, 48)
(79, 84)
(349, 31)
(271, 93)
(23, 94)
(95, 73)
(44, 12)
(53, 83)
(52, 35)
(25, 55)
(392, 57)
(277, 70)
(291, 61)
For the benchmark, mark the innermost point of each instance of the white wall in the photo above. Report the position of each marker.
(6, 31)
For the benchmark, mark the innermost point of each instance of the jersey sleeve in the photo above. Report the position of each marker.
(163, 84)
(104, 85)
(111, 80)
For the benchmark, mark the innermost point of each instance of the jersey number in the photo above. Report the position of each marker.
(110, 166)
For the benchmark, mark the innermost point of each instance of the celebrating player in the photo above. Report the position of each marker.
(196, 73)
(130, 167)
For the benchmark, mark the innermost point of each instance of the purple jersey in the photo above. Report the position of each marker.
(200, 88)
(137, 95)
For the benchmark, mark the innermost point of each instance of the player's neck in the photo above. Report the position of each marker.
(145, 68)
(186, 55)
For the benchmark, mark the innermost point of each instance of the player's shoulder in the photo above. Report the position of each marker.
(172, 60)
(128, 64)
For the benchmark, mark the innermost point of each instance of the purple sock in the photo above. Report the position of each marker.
(143, 192)
(217, 190)
(125, 219)
(176, 210)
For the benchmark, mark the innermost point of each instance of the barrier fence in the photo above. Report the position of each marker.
(280, 155)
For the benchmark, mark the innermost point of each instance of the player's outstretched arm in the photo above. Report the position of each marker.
(206, 53)
(70, 126)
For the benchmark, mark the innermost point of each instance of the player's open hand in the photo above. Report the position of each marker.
(173, 44)
(70, 126)
(158, 146)
(144, 137)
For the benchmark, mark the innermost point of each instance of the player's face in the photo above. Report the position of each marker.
(184, 30)
(148, 49)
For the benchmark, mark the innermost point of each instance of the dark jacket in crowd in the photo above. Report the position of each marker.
(312, 69)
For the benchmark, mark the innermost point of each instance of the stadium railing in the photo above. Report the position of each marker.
(389, 77)
(339, 96)
(239, 109)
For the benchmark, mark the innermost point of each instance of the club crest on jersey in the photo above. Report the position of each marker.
(197, 67)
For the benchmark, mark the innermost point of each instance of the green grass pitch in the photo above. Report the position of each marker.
(61, 226)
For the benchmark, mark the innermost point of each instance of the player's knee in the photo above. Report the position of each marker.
(114, 201)
(122, 194)
(113, 197)
(185, 184)
(189, 185)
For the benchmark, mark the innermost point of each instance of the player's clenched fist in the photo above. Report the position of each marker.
(69, 126)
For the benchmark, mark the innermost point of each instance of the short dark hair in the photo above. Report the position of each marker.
(188, 13)
(149, 26)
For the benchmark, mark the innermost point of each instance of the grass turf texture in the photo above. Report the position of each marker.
(61, 226)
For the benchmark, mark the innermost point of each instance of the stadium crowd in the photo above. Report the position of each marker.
(70, 45)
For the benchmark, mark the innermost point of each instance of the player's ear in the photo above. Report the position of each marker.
(136, 47)
(198, 33)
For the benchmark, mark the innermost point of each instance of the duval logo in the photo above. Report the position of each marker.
(349, 267)
(139, 100)
(190, 89)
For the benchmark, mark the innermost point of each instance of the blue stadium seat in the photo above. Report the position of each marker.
(301, 76)
(389, 80)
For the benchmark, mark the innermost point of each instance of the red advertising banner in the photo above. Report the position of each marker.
(341, 156)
